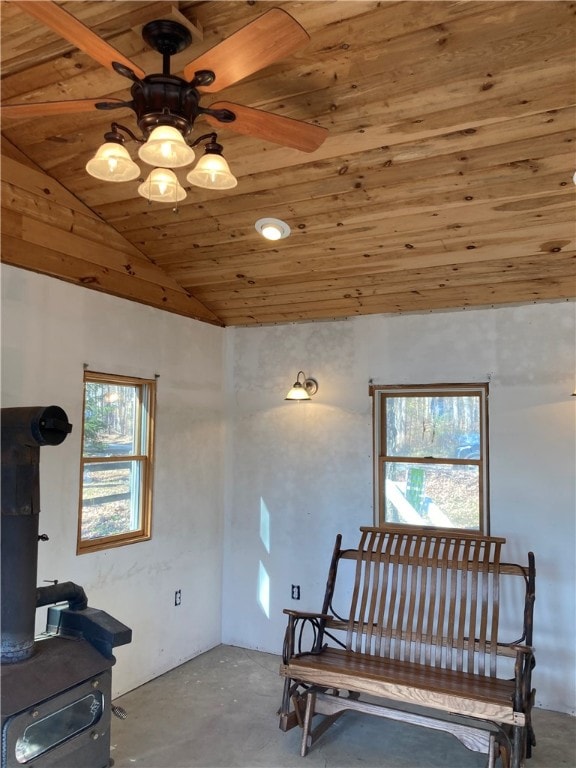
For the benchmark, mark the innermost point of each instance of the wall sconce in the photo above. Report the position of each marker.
(165, 148)
(302, 389)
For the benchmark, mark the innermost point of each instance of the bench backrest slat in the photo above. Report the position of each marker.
(430, 596)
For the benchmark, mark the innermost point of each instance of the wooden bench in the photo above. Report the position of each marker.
(411, 620)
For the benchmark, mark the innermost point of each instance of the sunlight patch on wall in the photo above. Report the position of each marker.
(265, 525)
(264, 590)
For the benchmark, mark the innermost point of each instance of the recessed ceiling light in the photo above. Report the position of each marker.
(272, 229)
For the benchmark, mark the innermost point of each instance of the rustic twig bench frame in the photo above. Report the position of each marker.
(421, 632)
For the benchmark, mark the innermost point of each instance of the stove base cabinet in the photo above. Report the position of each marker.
(56, 707)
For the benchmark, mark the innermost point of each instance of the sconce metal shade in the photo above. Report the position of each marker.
(166, 148)
(112, 163)
(162, 186)
(212, 172)
(302, 390)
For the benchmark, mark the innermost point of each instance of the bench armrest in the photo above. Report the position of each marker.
(525, 649)
(316, 621)
(306, 614)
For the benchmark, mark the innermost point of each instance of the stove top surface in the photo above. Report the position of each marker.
(57, 664)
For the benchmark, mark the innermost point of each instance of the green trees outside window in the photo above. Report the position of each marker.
(431, 455)
(117, 461)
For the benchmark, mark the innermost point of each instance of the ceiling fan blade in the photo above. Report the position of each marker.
(265, 125)
(47, 108)
(263, 41)
(77, 33)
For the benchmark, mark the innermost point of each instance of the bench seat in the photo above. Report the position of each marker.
(448, 690)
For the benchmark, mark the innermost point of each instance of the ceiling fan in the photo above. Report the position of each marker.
(165, 99)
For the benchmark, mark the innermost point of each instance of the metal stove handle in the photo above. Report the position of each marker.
(120, 712)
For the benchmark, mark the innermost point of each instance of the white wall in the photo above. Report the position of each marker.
(304, 470)
(286, 477)
(49, 330)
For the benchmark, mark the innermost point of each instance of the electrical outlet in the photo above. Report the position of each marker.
(295, 591)
(178, 597)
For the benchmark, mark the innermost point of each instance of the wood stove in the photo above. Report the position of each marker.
(56, 690)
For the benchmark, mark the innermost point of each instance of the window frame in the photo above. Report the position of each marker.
(144, 426)
(379, 393)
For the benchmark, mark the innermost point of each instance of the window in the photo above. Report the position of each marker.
(117, 461)
(431, 455)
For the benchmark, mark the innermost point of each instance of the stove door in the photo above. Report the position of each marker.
(70, 729)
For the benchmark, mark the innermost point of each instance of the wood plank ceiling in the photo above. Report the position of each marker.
(445, 182)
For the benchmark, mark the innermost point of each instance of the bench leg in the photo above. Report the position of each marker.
(518, 744)
(492, 751)
(306, 730)
(505, 755)
(311, 735)
(498, 748)
(291, 697)
(285, 706)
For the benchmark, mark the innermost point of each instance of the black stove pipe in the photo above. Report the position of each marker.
(66, 591)
(24, 431)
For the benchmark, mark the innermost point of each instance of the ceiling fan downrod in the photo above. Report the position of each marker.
(168, 37)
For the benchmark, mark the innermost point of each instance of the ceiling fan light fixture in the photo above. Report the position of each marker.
(212, 172)
(162, 186)
(112, 163)
(166, 106)
(166, 148)
(272, 229)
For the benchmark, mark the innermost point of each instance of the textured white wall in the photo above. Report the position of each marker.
(49, 329)
(289, 475)
(303, 471)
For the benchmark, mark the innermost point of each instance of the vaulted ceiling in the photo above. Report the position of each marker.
(445, 180)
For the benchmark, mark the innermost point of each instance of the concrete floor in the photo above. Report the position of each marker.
(219, 710)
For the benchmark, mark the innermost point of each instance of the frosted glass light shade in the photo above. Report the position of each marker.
(298, 392)
(166, 148)
(112, 163)
(162, 186)
(212, 172)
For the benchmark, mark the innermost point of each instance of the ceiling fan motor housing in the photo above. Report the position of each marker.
(165, 100)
